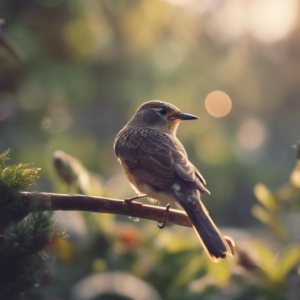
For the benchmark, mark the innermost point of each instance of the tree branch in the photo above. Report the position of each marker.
(51, 202)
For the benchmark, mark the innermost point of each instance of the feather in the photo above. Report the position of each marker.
(156, 164)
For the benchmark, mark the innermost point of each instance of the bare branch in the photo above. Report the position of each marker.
(51, 202)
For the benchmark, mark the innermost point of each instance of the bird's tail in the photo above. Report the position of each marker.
(211, 238)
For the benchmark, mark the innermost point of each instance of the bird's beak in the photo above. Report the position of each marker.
(182, 116)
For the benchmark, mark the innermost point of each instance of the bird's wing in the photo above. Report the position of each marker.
(148, 156)
(200, 181)
(156, 158)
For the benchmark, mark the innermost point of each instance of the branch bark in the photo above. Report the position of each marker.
(51, 202)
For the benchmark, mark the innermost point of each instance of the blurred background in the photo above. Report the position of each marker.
(78, 71)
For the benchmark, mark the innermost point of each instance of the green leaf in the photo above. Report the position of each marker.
(188, 273)
(220, 271)
(265, 197)
(265, 258)
(4, 156)
(269, 219)
(289, 259)
(18, 178)
(14, 179)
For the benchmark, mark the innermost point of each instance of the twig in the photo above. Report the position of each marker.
(51, 202)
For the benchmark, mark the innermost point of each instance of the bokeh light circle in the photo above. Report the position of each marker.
(218, 104)
(271, 27)
(251, 135)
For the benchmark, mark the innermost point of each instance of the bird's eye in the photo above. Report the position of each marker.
(162, 112)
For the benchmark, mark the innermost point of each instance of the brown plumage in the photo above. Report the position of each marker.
(156, 165)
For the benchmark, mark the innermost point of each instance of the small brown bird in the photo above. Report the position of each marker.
(157, 166)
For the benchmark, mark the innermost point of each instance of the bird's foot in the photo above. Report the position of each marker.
(165, 219)
(128, 200)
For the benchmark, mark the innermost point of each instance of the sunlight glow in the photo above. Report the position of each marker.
(267, 21)
(251, 135)
(218, 104)
(181, 2)
(271, 20)
(231, 14)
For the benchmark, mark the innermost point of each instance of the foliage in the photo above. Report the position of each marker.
(172, 263)
(21, 259)
(274, 205)
(12, 180)
(87, 65)
(274, 209)
(16, 178)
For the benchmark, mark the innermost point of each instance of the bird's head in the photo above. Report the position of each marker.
(160, 116)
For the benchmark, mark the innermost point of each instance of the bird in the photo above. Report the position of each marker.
(156, 165)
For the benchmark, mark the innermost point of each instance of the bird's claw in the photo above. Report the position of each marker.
(128, 200)
(165, 219)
